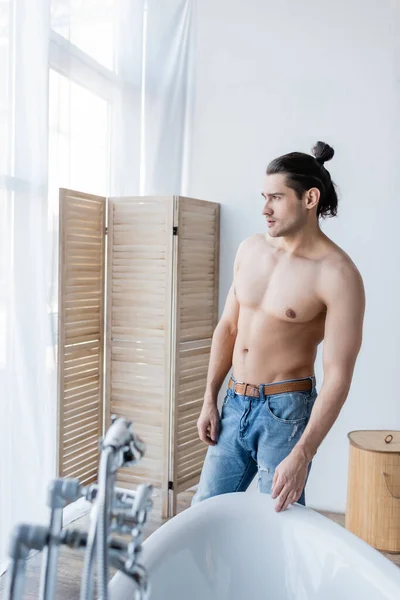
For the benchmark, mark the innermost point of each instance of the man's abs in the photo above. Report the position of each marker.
(268, 349)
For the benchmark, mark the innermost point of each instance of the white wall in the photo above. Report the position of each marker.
(274, 77)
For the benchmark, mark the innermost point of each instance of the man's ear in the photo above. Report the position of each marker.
(312, 198)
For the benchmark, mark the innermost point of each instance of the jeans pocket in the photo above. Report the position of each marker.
(289, 407)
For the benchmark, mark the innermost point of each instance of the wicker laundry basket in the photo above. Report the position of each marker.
(373, 494)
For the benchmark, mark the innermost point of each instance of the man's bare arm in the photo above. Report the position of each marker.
(343, 293)
(222, 346)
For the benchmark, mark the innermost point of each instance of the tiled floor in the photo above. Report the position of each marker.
(70, 562)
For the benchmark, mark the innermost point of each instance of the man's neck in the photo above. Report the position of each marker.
(302, 242)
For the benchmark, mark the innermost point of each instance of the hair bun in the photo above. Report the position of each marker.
(323, 152)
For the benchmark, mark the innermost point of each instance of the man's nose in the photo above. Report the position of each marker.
(267, 211)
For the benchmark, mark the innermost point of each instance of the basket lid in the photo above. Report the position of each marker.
(376, 441)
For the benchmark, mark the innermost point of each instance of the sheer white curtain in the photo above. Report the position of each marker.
(95, 96)
(169, 79)
(26, 368)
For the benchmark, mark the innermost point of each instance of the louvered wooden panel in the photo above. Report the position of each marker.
(198, 256)
(196, 316)
(81, 333)
(139, 329)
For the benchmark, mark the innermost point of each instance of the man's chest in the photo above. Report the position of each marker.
(285, 289)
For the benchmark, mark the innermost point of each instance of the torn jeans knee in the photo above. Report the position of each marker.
(264, 482)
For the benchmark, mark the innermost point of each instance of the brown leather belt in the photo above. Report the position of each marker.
(247, 389)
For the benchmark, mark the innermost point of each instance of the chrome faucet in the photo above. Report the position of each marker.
(113, 512)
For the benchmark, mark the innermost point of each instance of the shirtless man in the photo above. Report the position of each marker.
(292, 288)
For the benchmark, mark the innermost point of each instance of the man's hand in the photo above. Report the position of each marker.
(208, 423)
(289, 480)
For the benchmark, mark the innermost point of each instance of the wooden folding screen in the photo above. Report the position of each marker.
(195, 316)
(139, 305)
(162, 306)
(81, 334)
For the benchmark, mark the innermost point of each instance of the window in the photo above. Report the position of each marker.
(88, 24)
(78, 140)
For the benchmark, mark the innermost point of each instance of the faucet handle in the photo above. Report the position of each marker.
(142, 502)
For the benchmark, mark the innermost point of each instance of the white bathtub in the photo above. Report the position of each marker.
(235, 547)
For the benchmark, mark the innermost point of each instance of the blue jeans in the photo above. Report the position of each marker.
(256, 434)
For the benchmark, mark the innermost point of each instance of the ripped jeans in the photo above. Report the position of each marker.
(256, 434)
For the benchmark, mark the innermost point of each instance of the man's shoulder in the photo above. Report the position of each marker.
(337, 270)
(247, 247)
(337, 262)
(255, 238)
(252, 241)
